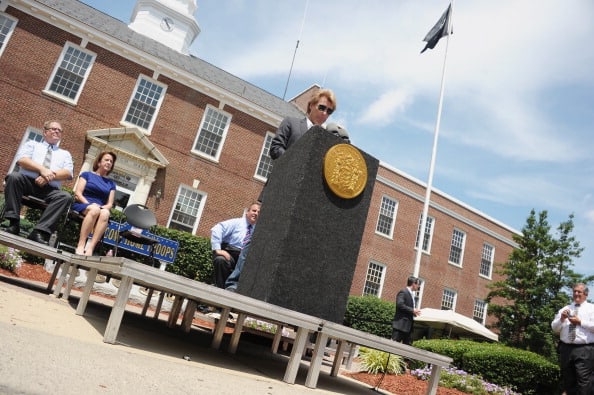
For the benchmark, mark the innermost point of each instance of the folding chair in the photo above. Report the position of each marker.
(139, 218)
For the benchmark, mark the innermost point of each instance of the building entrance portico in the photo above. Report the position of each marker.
(137, 163)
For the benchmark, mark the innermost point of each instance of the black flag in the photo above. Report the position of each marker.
(439, 30)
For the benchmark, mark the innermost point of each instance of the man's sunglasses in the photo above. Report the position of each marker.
(325, 109)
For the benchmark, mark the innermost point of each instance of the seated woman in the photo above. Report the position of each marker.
(93, 197)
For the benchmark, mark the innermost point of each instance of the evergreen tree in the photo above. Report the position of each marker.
(535, 284)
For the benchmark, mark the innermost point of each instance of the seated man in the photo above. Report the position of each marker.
(227, 239)
(42, 168)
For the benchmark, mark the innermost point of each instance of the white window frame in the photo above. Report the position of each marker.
(30, 134)
(374, 277)
(429, 226)
(384, 215)
(136, 96)
(264, 166)
(458, 242)
(479, 311)
(223, 133)
(487, 258)
(199, 209)
(419, 293)
(449, 297)
(5, 31)
(59, 68)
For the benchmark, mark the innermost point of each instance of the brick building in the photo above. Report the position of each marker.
(192, 140)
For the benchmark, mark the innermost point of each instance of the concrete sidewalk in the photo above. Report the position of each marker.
(47, 349)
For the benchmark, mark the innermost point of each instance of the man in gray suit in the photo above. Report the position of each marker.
(321, 105)
(402, 325)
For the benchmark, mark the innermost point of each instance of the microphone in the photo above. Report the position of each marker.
(338, 131)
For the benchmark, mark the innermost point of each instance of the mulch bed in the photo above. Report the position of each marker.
(399, 384)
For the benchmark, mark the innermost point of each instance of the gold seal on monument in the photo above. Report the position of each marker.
(345, 171)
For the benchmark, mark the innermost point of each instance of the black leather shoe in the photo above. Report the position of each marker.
(14, 229)
(38, 237)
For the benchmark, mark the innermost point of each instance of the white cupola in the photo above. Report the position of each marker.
(170, 22)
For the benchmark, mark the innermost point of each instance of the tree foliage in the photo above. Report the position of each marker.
(535, 284)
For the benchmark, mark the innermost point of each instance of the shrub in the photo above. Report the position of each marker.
(499, 364)
(194, 255)
(455, 349)
(370, 314)
(526, 371)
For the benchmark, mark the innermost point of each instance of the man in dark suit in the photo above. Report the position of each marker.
(402, 325)
(321, 105)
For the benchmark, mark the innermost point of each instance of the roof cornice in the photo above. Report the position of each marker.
(88, 33)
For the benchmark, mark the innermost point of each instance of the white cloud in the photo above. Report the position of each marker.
(589, 215)
(382, 111)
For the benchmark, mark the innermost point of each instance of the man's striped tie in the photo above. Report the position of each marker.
(47, 161)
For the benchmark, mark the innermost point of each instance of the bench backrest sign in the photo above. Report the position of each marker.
(165, 250)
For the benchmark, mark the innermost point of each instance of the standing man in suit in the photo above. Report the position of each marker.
(321, 105)
(402, 325)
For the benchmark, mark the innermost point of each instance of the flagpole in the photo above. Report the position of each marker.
(417, 266)
(296, 47)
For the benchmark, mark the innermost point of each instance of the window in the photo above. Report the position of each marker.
(374, 279)
(479, 313)
(187, 209)
(457, 247)
(448, 299)
(145, 103)
(7, 25)
(428, 233)
(265, 162)
(387, 216)
(70, 73)
(487, 260)
(211, 134)
(30, 134)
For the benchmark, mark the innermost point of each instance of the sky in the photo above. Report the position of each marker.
(518, 99)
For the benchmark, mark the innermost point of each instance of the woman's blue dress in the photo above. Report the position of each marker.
(96, 190)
